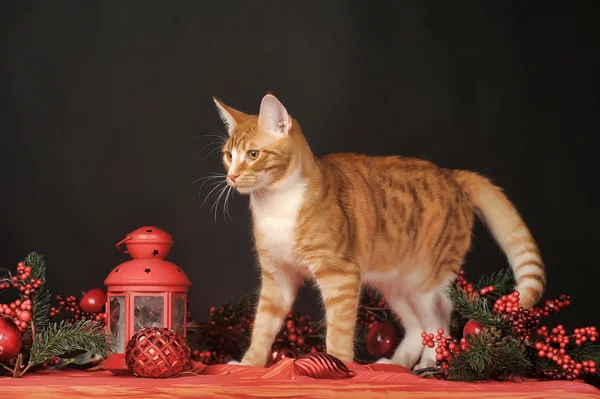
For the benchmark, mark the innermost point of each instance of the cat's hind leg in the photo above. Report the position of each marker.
(409, 351)
(419, 312)
(435, 312)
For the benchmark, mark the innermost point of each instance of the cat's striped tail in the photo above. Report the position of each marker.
(503, 220)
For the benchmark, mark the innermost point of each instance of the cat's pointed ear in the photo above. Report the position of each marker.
(273, 117)
(229, 116)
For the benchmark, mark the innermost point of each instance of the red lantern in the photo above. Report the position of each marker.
(146, 291)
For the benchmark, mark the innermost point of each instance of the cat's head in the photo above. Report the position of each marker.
(259, 151)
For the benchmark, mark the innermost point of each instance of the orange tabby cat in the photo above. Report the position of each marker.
(401, 225)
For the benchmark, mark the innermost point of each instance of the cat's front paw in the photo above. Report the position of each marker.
(384, 360)
(235, 363)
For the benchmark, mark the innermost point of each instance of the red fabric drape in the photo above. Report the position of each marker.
(279, 381)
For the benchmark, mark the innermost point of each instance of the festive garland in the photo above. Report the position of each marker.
(31, 341)
(501, 341)
(507, 342)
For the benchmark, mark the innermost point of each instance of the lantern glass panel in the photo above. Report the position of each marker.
(177, 313)
(117, 314)
(148, 312)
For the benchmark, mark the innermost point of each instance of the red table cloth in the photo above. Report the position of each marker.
(279, 381)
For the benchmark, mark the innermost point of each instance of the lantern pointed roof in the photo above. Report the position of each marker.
(148, 246)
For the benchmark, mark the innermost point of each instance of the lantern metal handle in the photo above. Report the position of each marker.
(121, 243)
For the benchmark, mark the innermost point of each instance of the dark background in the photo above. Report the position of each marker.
(100, 99)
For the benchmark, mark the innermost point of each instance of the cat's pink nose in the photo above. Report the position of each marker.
(233, 177)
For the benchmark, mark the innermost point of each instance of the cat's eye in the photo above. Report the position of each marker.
(253, 154)
(228, 155)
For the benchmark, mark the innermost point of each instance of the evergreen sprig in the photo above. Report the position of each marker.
(503, 282)
(60, 338)
(41, 301)
(490, 358)
(585, 351)
(512, 362)
(37, 264)
(477, 309)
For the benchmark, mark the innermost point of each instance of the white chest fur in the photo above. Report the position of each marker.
(276, 215)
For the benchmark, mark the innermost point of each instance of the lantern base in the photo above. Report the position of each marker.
(116, 364)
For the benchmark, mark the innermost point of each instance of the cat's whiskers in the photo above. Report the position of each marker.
(206, 179)
(219, 134)
(213, 176)
(216, 204)
(218, 185)
(217, 148)
(217, 145)
(226, 205)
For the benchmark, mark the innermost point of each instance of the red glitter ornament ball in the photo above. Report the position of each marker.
(157, 353)
(93, 301)
(11, 339)
(472, 327)
(382, 339)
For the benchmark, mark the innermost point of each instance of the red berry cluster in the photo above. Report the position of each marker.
(22, 281)
(297, 330)
(371, 306)
(70, 304)
(447, 347)
(202, 356)
(584, 334)
(298, 334)
(556, 304)
(469, 289)
(507, 303)
(525, 321)
(53, 362)
(567, 368)
(20, 310)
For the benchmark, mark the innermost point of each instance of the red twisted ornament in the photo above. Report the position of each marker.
(322, 366)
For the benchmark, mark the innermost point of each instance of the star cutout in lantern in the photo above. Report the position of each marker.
(155, 252)
(147, 270)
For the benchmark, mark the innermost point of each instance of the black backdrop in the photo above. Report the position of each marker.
(100, 100)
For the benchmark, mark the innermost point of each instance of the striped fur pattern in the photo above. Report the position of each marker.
(401, 225)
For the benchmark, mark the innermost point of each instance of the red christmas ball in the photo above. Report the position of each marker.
(472, 327)
(382, 339)
(93, 301)
(10, 339)
(157, 353)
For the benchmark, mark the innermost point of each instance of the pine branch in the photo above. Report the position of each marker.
(476, 309)
(460, 369)
(585, 351)
(512, 362)
(59, 338)
(481, 354)
(41, 308)
(490, 358)
(37, 264)
(41, 301)
(503, 282)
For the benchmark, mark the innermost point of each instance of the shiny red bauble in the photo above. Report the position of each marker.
(382, 339)
(472, 327)
(93, 301)
(157, 353)
(11, 339)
